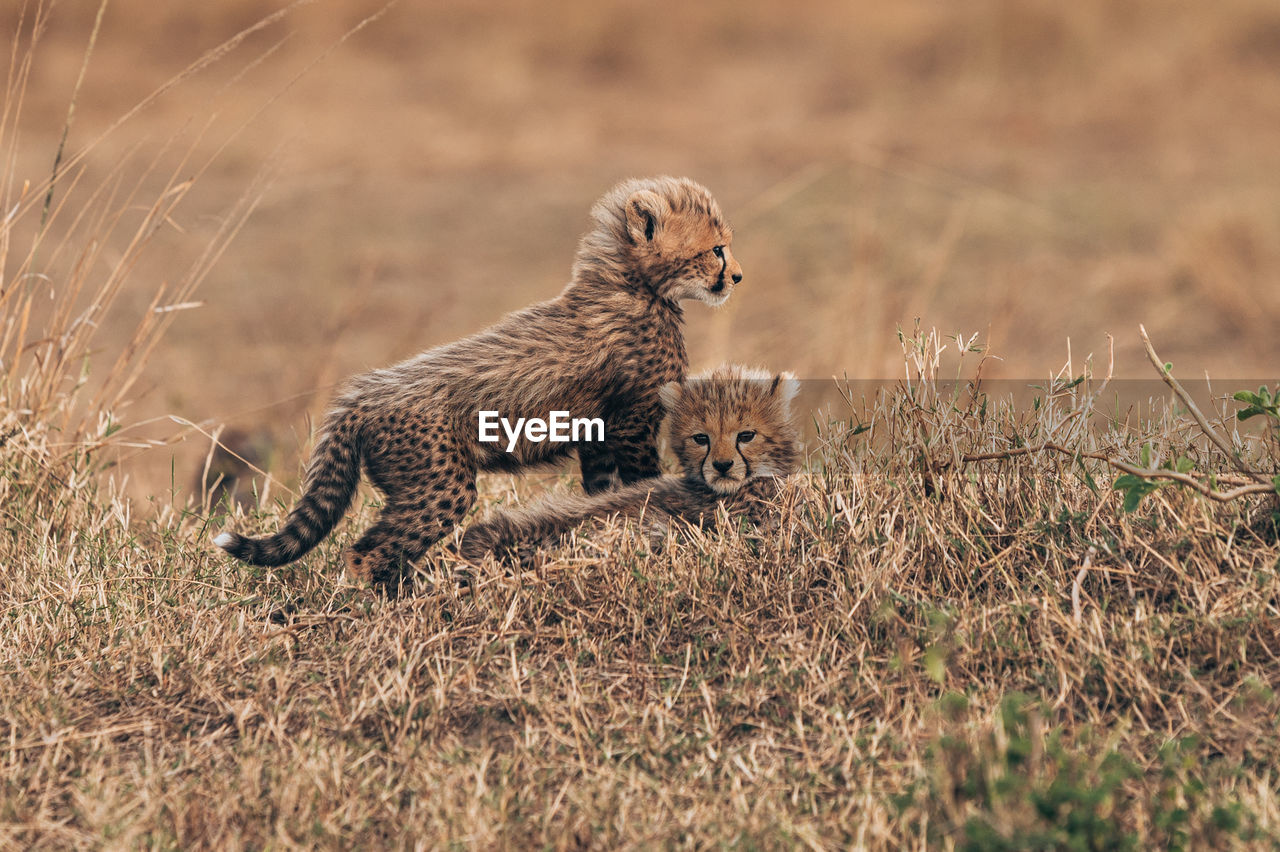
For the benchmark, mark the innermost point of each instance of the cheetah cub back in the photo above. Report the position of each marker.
(730, 429)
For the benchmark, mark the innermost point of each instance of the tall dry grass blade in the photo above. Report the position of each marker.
(71, 114)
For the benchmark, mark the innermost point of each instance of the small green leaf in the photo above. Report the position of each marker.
(1134, 488)
(1168, 366)
(1262, 402)
(1145, 455)
(1133, 497)
(1184, 465)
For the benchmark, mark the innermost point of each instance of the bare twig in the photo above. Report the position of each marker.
(1195, 484)
(1208, 430)
(1026, 451)
(1145, 473)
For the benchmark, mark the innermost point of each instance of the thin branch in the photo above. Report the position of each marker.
(1026, 451)
(1186, 479)
(1199, 417)
(1195, 484)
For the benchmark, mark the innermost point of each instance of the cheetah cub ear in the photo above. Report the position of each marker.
(645, 212)
(669, 394)
(785, 387)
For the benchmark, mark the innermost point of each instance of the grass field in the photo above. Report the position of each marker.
(960, 637)
(987, 655)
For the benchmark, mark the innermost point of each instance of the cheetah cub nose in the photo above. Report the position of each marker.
(722, 466)
(737, 278)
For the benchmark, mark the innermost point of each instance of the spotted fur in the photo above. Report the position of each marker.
(603, 348)
(731, 430)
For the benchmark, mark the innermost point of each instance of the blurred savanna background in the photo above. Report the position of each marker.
(368, 181)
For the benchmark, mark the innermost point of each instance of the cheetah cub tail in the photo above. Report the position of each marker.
(331, 482)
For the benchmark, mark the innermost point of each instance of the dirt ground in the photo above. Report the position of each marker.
(1034, 171)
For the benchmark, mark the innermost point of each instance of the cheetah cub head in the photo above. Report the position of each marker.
(670, 231)
(732, 424)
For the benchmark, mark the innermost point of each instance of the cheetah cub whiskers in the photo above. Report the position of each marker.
(602, 349)
(732, 433)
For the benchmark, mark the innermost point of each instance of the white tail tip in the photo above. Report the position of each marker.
(223, 540)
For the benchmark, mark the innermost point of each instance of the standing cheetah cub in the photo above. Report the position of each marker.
(602, 349)
(731, 430)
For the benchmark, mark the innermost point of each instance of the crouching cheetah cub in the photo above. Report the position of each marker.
(601, 350)
(732, 433)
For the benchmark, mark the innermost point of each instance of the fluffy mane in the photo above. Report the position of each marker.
(604, 251)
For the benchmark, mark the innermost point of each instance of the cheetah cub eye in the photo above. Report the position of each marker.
(746, 436)
(701, 439)
(718, 251)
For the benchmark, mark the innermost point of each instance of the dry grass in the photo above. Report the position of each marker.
(991, 654)
(928, 652)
